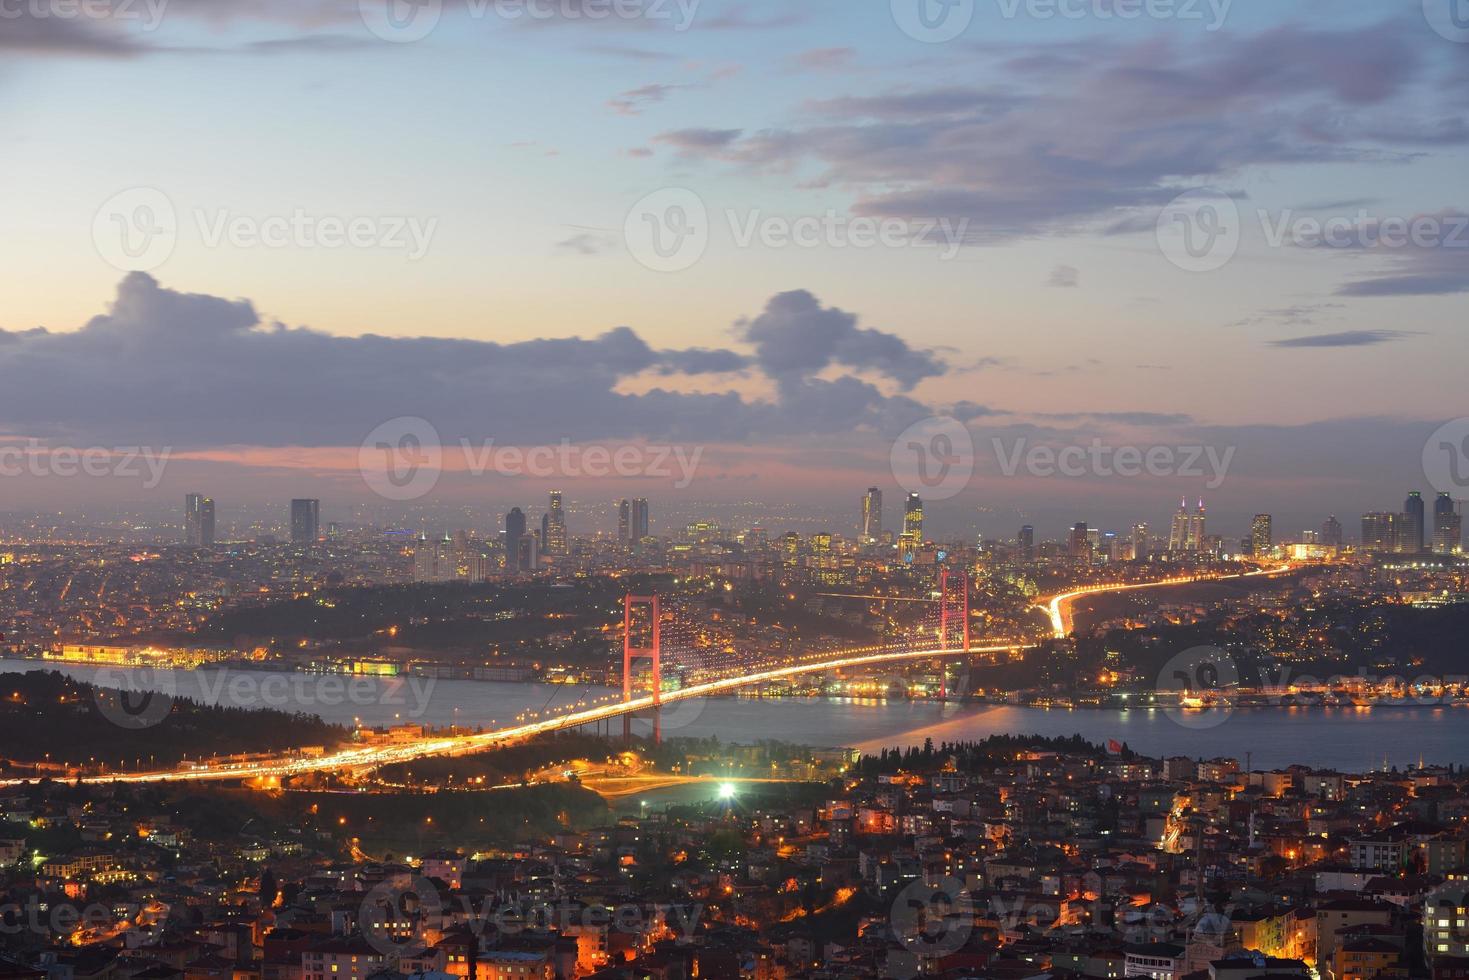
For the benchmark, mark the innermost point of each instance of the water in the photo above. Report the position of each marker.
(1351, 739)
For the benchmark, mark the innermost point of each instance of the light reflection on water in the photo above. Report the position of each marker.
(1344, 738)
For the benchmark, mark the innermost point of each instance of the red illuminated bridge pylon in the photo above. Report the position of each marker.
(953, 605)
(654, 651)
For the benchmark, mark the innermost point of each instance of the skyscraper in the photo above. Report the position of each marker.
(624, 521)
(912, 536)
(1381, 531)
(514, 534)
(1026, 542)
(640, 523)
(1080, 545)
(1447, 526)
(1411, 530)
(872, 516)
(1331, 532)
(555, 537)
(305, 520)
(913, 517)
(1261, 539)
(1178, 530)
(1141, 542)
(198, 521)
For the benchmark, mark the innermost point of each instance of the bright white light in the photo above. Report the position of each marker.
(726, 791)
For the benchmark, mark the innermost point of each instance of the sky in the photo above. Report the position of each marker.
(290, 243)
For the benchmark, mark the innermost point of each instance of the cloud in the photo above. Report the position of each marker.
(796, 337)
(587, 243)
(1105, 138)
(824, 59)
(1064, 277)
(1347, 338)
(633, 101)
(196, 371)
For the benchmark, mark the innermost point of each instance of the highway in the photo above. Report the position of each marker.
(1058, 608)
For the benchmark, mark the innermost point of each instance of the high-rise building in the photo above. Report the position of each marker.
(911, 538)
(555, 531)
(1261, 538)
(1080, 545)
(1448, 534)
(305, 521)
(1025, 540)
(640, 522)
(514, 535)
(913, 517)
(1142, 542)
(1381, 531)
(198, 521)
(1331, 532)
(872, 516)
(435, 560)
(1413, 524)
(1187, 532)
(624, 521)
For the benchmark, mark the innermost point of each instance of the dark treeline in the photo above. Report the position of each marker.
(47, 716)
(970, 756)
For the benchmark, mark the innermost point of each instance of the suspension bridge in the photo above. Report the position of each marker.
(669, 656)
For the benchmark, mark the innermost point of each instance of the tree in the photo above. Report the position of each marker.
(269, 888)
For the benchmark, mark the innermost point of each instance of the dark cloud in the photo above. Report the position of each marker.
(1347, 338)
(1108, 138)
(189, 370)
(796, 337)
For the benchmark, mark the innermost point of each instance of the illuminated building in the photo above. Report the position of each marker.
(1080, 545)
(434, 561)
(871, 516)
(912, 536)
(1187, 532)
(198, 521)
(624, 521)
(1261, 541)
(555, 532)
(305, 520)
(1380, 531)
(1447, 526)
(1026, 542)
(1411, 530)
(1141, 542)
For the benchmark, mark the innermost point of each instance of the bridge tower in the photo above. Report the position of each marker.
(953, 602)
(653, 652)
